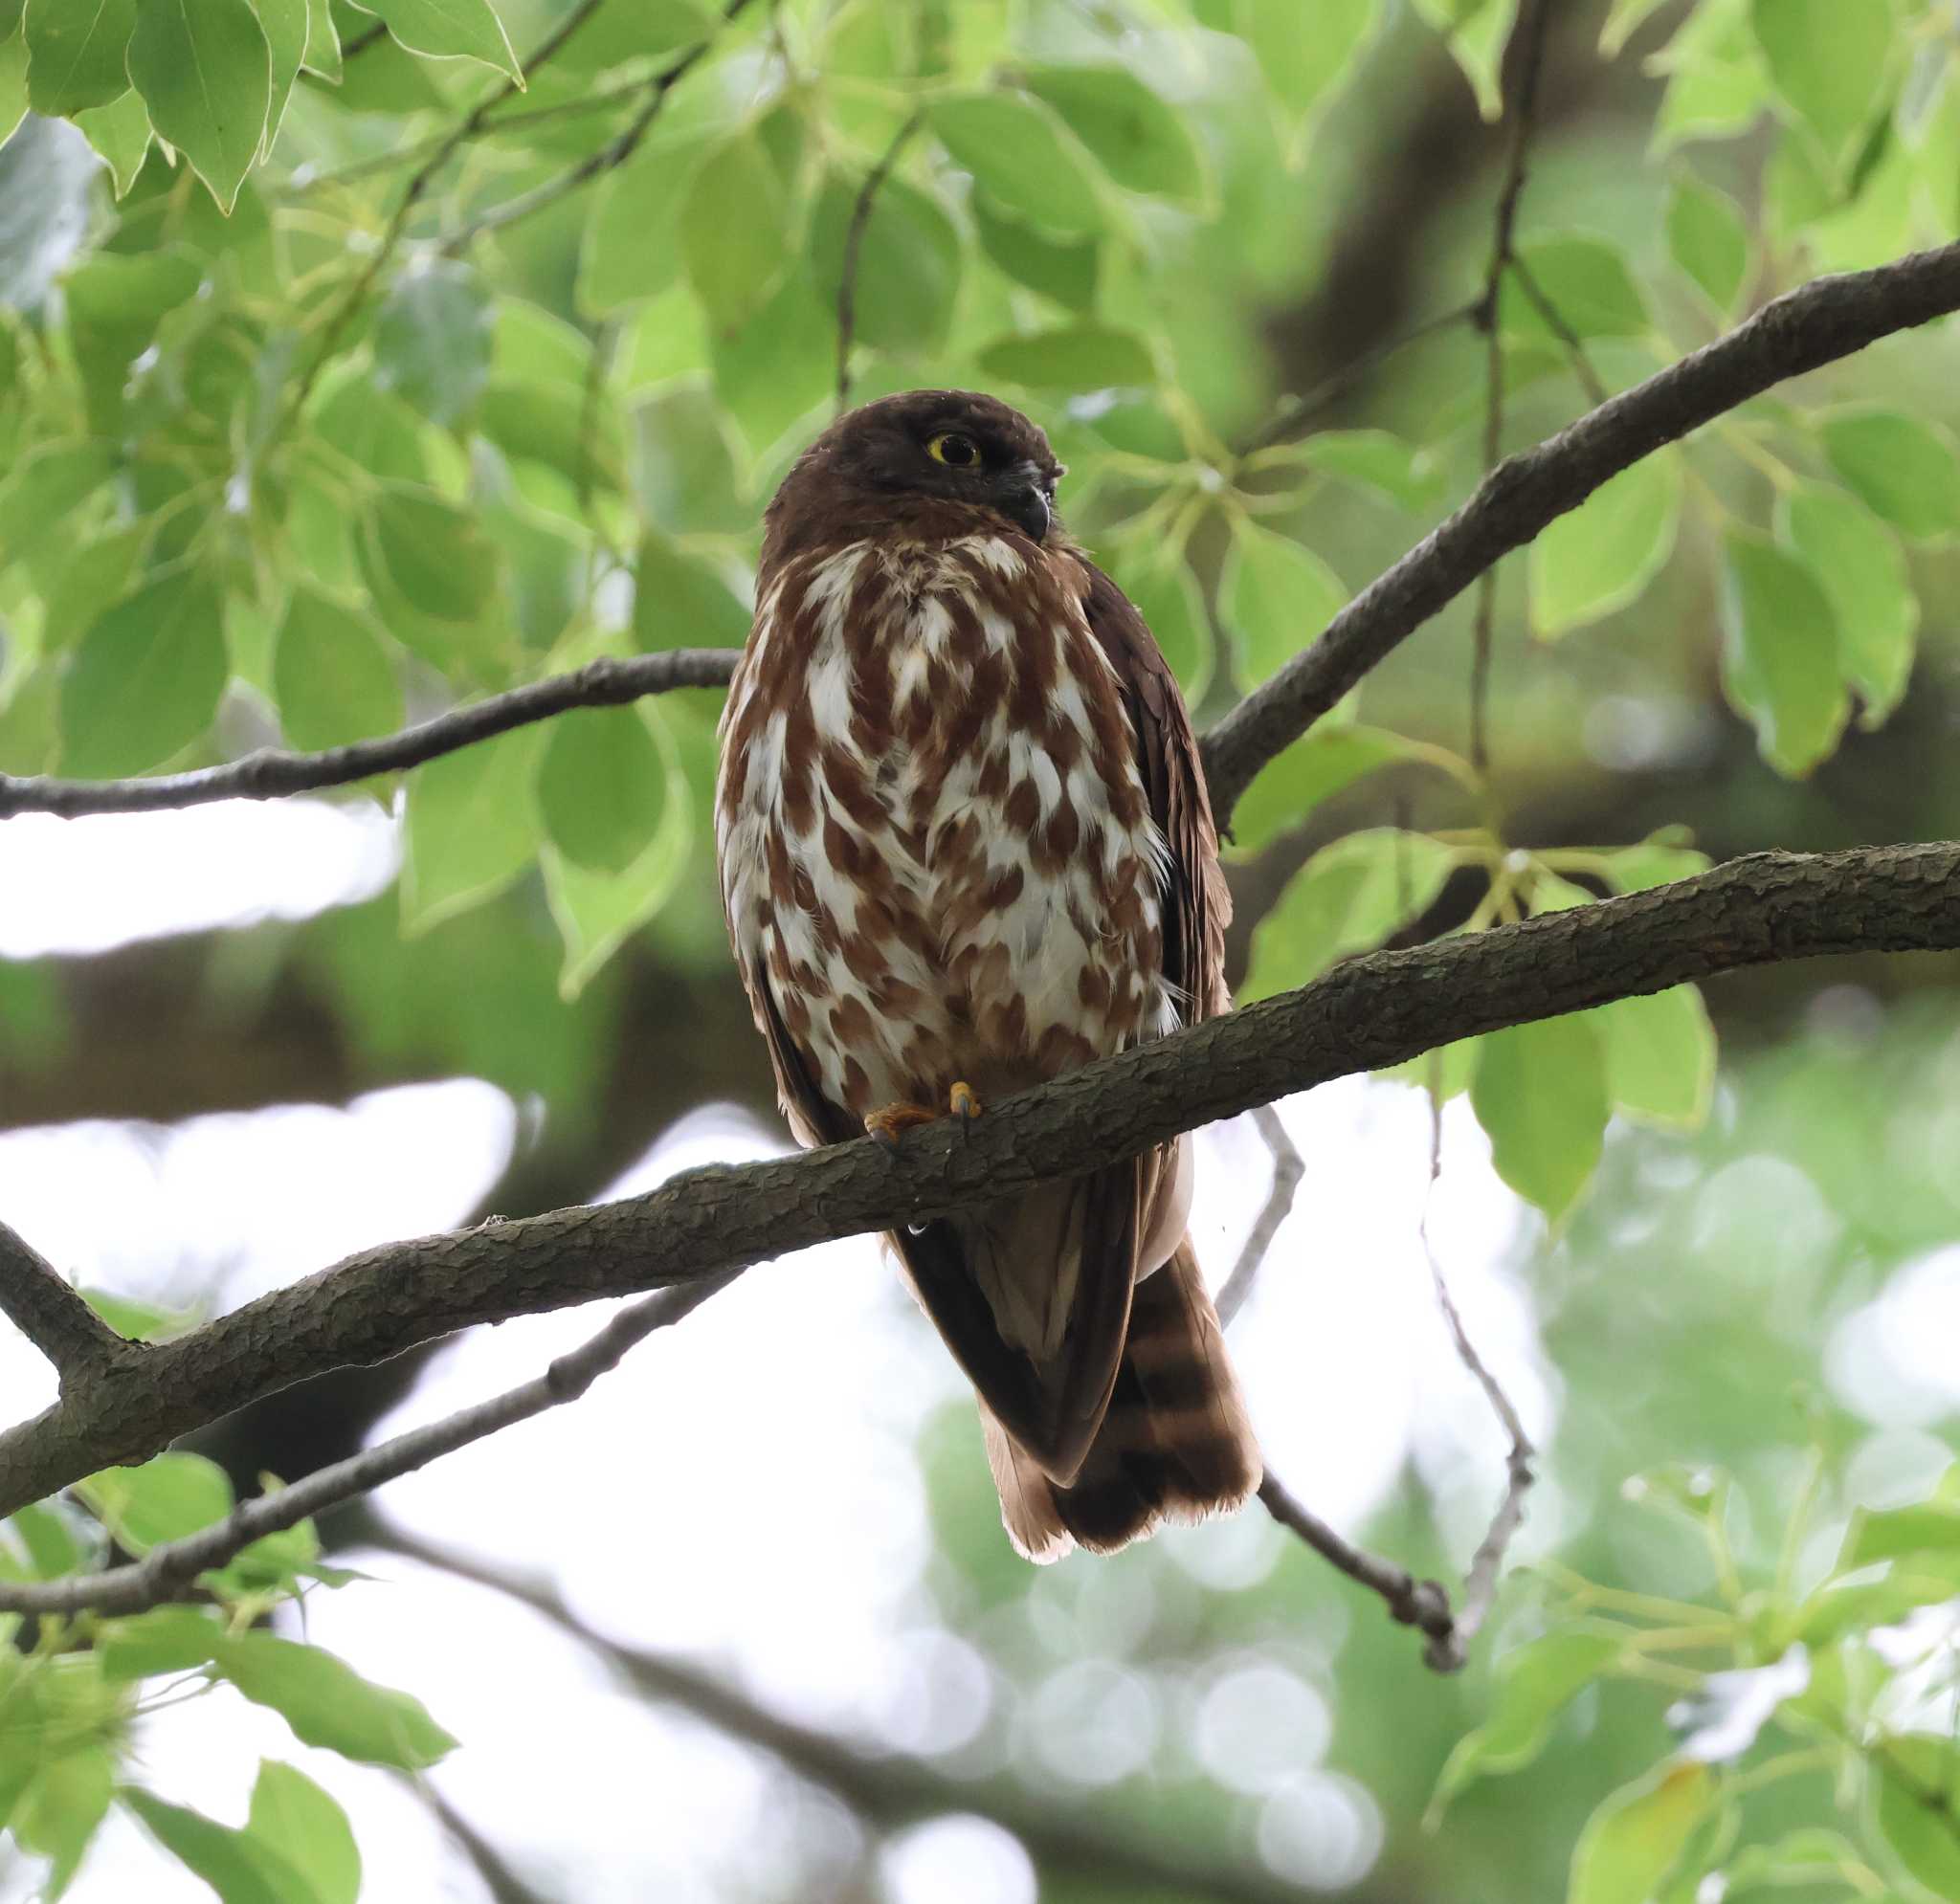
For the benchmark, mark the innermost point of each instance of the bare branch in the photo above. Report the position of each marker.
(1823, 320)
(1448, 1651)
(1421, 1604)
(1366, 1013)
(1289, 1169)
(269, 774)
(167, 1570)
(40, 1301)
(614, 153)
(887, 1789)
(854, 243)
(1529, 40)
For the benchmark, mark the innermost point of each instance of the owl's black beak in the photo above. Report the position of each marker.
(1026, 501)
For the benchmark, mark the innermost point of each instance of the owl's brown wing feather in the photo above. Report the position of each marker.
(1198, 905)
(1053, 1413)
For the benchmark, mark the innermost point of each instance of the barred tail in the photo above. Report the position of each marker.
(1175, 1446)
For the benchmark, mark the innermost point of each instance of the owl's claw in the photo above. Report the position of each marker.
(962, 1102)
(887, 1124)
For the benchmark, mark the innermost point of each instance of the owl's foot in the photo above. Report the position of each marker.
(884, 1125)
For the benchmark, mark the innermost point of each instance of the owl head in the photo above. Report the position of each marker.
(882, 466)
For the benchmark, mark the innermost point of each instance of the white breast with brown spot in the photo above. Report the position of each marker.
(934, 838)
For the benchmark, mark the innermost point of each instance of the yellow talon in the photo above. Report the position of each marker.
(887, 1124)
(964, 1103)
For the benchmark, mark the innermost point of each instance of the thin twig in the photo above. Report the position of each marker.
(1479, 1584)
(269, 774)
(1290, 411)
(614, 153)
(1555, 321)
(887, 1789)
(1364, 1014)
(1529, 39)
(167, 1571)
(493, 1870)
(41, 1303)
(471, 123)
(854, 241)
(1421, 1604)
(1289, 1169)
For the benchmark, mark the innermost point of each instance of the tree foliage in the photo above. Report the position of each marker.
(360, 359)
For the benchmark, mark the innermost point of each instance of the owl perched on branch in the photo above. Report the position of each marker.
(965, 846)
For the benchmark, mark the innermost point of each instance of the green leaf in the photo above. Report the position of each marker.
(137, 1321)
(334, 680)
(291, 1815)
(910, 259)
(1348, 898)
(1018, 151)
(1478, 32)
(145, 679)
(1660, 1056)
(10, 12)
(44, 1532)
(322, 42)
(1901, 467)
(1913, 1782)
(472, 826)
(166, 1639)
(286, 29)
(1167, 594)
(1658, 860)
(1275, 598)
(680, 600)
(535, 421)
(1862, 569)
(45, 487)
(1598, 559)
(1073, 357)
(780, 365)
(1401, 472)
(465, 29)
(1064, 269)
(1141, 141)
(1708, 240)
(1716, 84)
(57, 1815)
(432, 551)
(204, 69)
(1540, 1094)
(76, 51)
(1624, 21)
(646, 28)
(1586, 280)
(1533, 1685)
(120, 134)
(601, 787)
(632, 246)
(240, 1868)
(1828, 64)
(1779, 661)
(164, 1499)
(432, 339)
(732, 227)
(1889, 1534)
(1632, 1842)
(1323, 762)
(327, 1703)
(1302, 67)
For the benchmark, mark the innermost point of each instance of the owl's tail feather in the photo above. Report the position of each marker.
(1175, 1445)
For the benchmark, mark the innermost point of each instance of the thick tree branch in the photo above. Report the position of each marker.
(38, 1300)
(165, 1572)
(269, 774)
(1370, 1012)
(1828, 318)
(887, 1790)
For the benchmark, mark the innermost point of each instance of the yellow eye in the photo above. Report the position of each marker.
(957, 452)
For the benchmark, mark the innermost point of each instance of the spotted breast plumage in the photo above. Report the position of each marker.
(965, 846)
